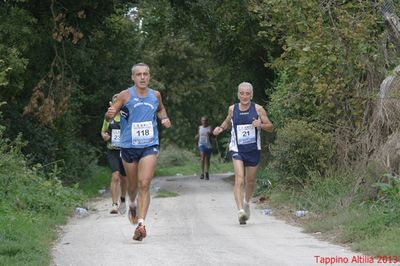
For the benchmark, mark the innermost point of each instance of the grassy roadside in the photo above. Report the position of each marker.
(28, 228)
(100, 180)
(336, 213)
(175, 161)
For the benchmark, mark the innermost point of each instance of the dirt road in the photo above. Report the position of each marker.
(199, 227)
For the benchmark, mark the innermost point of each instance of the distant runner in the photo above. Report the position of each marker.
(205, 147)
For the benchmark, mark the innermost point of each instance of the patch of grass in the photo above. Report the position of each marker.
(101, 179)
(193, 168)
(385, 244)
(171, 155)
(173, 160)
(25, 239)
(32, 204)
(166, 194)
(366, 226)
(188, 169)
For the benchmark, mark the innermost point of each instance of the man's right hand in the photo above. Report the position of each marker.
(217, 131)
(105, 136)
(111, 111)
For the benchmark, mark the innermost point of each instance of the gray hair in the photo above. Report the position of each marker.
(114, 98)
(246, 84)
(139, 65)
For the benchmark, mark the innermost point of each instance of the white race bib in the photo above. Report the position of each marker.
(142, 132)
(115, 137)
(246, 134)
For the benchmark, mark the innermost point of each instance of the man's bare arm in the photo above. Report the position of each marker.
(162, 112)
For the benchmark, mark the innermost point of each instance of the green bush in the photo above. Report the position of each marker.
(300, 147)
(389, 192)
(33, 202)
(27, 187)
(324, 193)
(266, 180)
(54, 146)
(171, 155)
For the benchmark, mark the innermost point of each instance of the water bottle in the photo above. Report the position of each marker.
(300, 213)
(266, 211)
(81, 212)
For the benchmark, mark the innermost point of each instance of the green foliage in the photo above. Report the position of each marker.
(99, 180)
(193, 168)
(389, 192)
(199, 51)
(55, 146)
(325, 193)
(338, 213)
(166, 194)
(368, 230)
(301, 148)
(266, 181)
(33, 203)
(25, 188)
(172, 155)
(25, 239)
(16, 33)
(53, 50)
(327, 57)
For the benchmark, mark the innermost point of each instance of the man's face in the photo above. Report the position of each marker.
(245, 94)
(141, 77)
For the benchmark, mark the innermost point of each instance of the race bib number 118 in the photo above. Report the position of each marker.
(142, 132)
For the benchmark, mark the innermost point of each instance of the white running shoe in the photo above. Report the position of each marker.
(114, 208)
(246, 207)
(122, 208)
(242, 216)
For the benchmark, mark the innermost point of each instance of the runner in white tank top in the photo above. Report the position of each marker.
(205, 147)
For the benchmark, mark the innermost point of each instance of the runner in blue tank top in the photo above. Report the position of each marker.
(139, 107)
(246, 119)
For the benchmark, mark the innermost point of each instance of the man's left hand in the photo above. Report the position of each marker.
(166, 123)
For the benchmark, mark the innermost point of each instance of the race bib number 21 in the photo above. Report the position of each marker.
(246, 134)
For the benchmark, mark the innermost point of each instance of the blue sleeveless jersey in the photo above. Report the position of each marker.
(244, 136)
(138, 120)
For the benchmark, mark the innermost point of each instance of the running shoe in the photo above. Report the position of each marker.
(114, 209)
(246, 207)
(242, 217)
(132, 214)
(122, 208)
(140, 233)
(202, 176)
(207, 176)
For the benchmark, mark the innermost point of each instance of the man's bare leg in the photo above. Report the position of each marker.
(147, 166)
(115, 190)
(131, 170)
